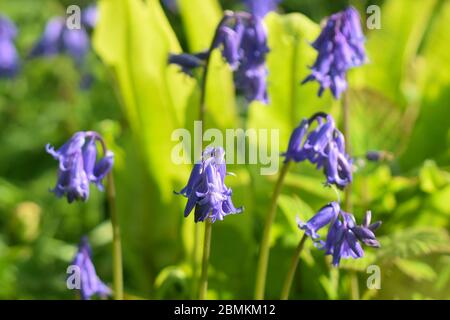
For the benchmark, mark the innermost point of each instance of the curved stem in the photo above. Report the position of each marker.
(117, 246)
(293, 267)
(227, 15)
(203, 288)
(263, 260)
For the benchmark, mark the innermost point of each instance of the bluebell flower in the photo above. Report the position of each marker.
(340, 47)
(206, 190)
(379, 155)
(187, 62)
(323, 146)
(344, 236)
(89, 16)
(90, 283)
(49, 44)
(58, 39)
(251, 75)
(9, 58)
(79, 165)
(341, 240)
(75, 43)
(259, 8)
(325, 215)
(242, 39)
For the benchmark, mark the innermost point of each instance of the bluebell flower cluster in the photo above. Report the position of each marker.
(57, 38)
(206, 190)
(340, 46)
(344, 236)
(90, 283)
(9, 59)
(323, 146)
(78, 165)
(244, 47)
(242, 39)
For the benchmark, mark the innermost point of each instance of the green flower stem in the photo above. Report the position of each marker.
(293, 267)
(202, 112)
(346, 132)
(203, 287)
(261, 270)
(117, 246)
(354, 287)
(195, 260)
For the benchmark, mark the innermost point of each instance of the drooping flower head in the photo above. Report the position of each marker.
(206, 190)
(323, 146)
(340, 46)
(9, 59)
(379, 155)
(90, 283)
(188, 62)
(242, 39)
(79, 166)
(344, 237)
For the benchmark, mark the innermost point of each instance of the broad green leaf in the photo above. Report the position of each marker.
(134, 38)
(380, 100)
(394, 47)
(200, 19)
(311, 185)
(430, 135)
(293, 206)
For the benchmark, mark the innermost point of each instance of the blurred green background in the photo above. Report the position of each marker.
(399, 103)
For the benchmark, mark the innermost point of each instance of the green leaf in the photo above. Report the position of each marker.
(310, 185)
(431, 178)
(360, 264)
(415, 242)
(415, 269)
(429, 138)
(393, 47)
(134, 39)
(172, 282)
(293, 206)
(200, 19)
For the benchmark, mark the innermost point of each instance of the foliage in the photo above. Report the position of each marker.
(398, 103)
